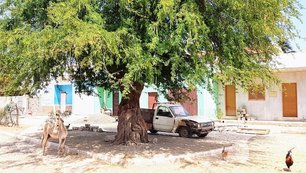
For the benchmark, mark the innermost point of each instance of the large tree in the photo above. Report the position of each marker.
(124, 45)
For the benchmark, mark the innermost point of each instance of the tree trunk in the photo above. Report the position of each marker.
(131, 127)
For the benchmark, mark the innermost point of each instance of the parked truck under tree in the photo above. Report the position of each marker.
(174, 118)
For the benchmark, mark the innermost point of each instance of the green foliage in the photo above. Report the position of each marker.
(219, 113)
(172, 44)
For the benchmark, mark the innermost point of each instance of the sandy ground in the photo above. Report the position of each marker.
(255, 153)
(166, 144)
(262, 154)
(267, 154)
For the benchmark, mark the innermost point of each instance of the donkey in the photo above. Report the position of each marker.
(55, 130)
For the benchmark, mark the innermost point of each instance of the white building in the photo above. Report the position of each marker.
(287, 101)
(62, 96)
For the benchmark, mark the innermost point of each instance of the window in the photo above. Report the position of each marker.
(179, 111)
(164, 111)
(257, 93)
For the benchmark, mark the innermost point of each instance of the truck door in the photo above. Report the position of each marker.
(163, 120)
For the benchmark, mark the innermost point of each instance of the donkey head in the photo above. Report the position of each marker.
(59, 122)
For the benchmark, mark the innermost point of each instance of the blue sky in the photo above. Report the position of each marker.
(301, 28)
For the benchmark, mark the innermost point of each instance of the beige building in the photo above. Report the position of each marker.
(286, 101)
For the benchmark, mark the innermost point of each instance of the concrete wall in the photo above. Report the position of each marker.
(85, 105)
(144, 98)
(271, 107)
(206, 104)
(46, 99)
(81, 104)
(21, 101)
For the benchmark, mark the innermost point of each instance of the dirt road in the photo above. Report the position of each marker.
(264, 153)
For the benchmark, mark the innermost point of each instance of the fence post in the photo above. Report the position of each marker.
(17, 116)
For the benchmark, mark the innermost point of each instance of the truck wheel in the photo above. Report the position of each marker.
(185, 132)
(202, 135)
(153, 131)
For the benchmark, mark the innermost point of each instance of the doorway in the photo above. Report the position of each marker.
(230, 100)
(63, 99)
(152, 99)
(289, 97)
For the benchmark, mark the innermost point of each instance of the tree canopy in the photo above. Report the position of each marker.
(114, 43)
(122, 45)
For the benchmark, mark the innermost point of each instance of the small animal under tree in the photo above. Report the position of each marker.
(224, 153)
(289, 159)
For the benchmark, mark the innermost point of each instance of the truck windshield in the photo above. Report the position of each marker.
(179, 111)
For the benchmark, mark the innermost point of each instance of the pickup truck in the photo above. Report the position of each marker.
(174, 118)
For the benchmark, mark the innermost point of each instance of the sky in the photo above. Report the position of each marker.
(301, 28)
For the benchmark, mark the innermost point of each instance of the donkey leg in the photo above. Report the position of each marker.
(63, 144)
(59, 146)
(42, 139)
(44, 143)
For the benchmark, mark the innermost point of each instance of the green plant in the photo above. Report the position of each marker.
(219, 113)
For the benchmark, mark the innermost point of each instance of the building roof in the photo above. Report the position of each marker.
(291, 61)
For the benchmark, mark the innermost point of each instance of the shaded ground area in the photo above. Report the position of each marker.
(161, 143)
(22, 156)
(165, 144)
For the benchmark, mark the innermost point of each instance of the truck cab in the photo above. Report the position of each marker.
(174, 118)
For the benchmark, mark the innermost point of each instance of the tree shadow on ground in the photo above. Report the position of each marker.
(159, 144)
(22, 154)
